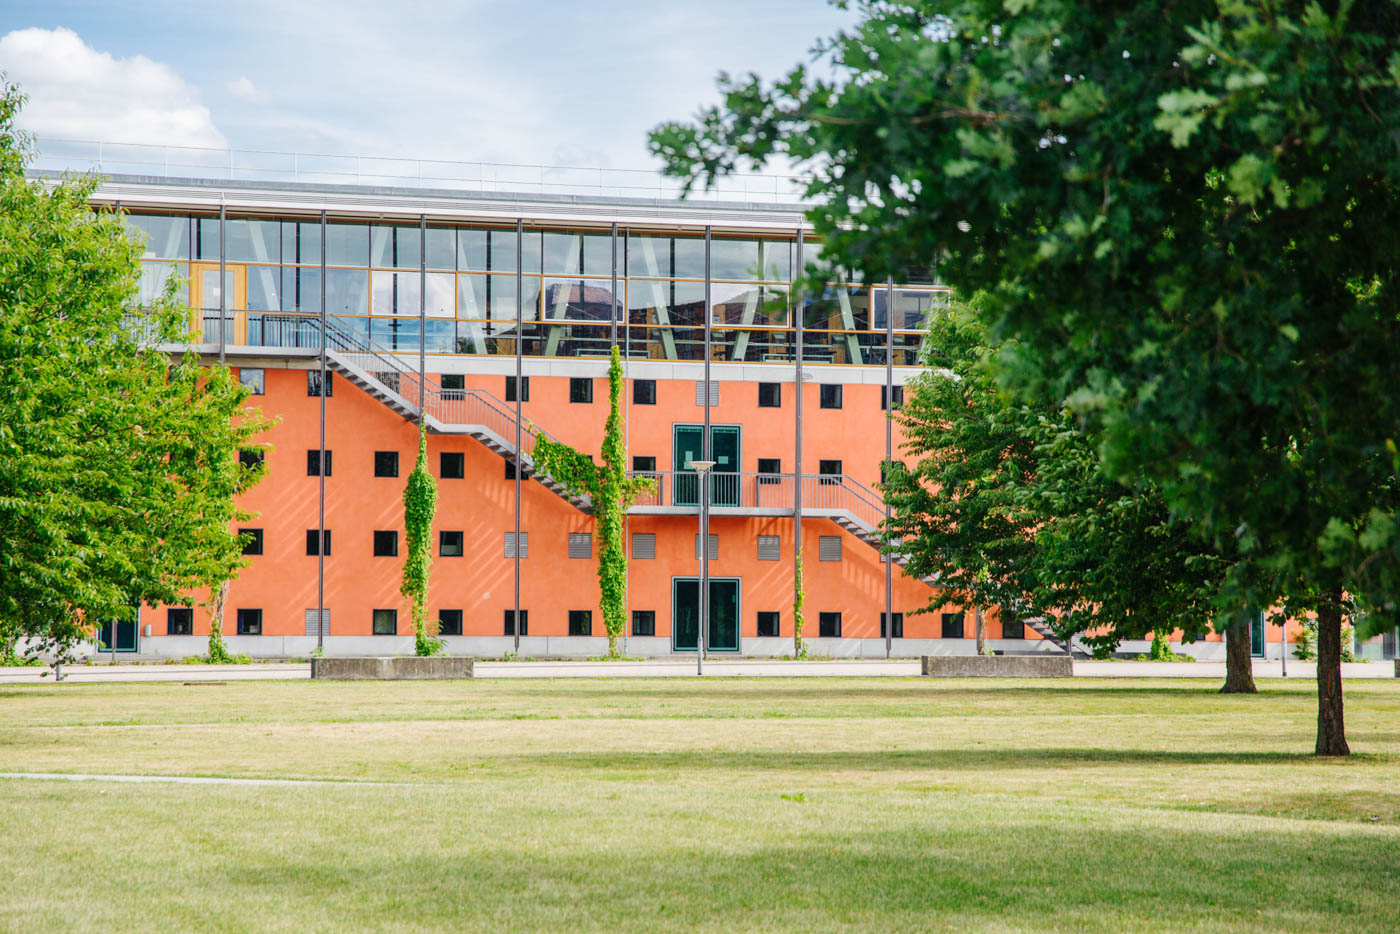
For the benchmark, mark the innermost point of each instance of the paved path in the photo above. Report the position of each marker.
(665, 668)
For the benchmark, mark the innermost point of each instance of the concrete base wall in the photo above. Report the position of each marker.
(405, 668)
(998, 666)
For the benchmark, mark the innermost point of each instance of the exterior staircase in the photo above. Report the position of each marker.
(471, 412)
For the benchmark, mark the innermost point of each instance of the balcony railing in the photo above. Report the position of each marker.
(821, 493)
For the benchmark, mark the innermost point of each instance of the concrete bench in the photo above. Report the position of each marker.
(997, 666)
(396, 668)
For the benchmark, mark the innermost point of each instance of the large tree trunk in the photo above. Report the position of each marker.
(981, 632)
(1331, 730)
(1239, 666)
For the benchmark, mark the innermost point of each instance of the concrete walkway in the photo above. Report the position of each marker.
(666, 668)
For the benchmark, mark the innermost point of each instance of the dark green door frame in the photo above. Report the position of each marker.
(724, 614)
(725, 448)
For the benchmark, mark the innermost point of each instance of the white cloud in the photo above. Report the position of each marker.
(246, 90)
(77, 92)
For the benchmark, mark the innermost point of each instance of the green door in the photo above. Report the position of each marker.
(724, 614)
(125, 636)
(724, 449)
(1256, 634)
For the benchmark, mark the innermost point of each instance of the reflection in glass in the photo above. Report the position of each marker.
(301, 242)
(750, 260)
(576, 340)
(666, 257)
(748, 305)
(501, 251)
(442, 296)
(206, 238)
(395, 245)
(471, 248)
(396, 293)
(838, 308)
(442, 248)
(577, 253)
(254, 241)
(657, 343)
(578, 299)
(347, 292)
(912, 308)
(263, 287)
(661, 302)
(301, 289)
(154, 276)
(165, 236)
(759, 345)
(347, 244)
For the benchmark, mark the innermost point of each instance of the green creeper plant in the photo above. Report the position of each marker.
(419, 507)
(799, 598)
(611, 492)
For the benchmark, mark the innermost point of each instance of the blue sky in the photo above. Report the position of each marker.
(491, 80)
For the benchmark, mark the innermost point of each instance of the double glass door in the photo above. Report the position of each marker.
(724, 614)
(207, 291)
(117, 637)
(724, 451)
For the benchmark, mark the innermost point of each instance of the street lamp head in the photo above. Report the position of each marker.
(700, 466)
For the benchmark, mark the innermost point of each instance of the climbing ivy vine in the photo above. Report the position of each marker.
(611, 491)
(419, 507)
(799, 597)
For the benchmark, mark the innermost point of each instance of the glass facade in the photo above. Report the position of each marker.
(374, 285)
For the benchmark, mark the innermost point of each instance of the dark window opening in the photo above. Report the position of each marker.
(450, 544)
(311, 541)
(644, 392)
(831, 395)
(454, 387)
(898, 632)
(831, 472)
(1013, 629)
(386, 622)
(768, 624)
(644, 464)
(580, 389)
(449, 622)
(313, 383)
(953, 627)
(313, 463)
(250, 459)
(770, 395)
(580, 622)
(643, 622)
(510, 389)
(386, 543)
(829, 625)
(252, 541)
(179, 621)
(249, 622)
(452, 465)
(386, 463)
(898, 397)
(524, 622)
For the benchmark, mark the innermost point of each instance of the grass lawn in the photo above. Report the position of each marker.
(726, 805)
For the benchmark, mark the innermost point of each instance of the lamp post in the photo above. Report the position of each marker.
(702, 628)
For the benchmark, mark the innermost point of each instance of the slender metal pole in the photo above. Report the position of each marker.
(614, 285)
(707, 453)
(223, 297)
(800, 312)
(321, 467)
(1283, 644)
(519, 394)
(889, 457)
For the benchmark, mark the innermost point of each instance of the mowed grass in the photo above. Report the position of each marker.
(807, 804)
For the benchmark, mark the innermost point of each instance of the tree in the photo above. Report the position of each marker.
(119, 466)
(1005, 505)
(1183, 218)
(612, 494)
(419, 507)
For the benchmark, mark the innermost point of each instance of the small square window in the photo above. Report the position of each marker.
(250, 459)
(386, 463)
(581, 545)
(313, 383)
(580, 622)
(179, 621)
(768, 470)
(452, 465)
(450, 544)
(311, 540)
(580, 389)
(770, 395)
(767, 624)
(644, 464)
(643, 622)
(898, 397)
(454, 387)
(831, 472)
(953, 627)
(644, 546)
(829, 625)
(898, 626)
(386, 543)
(524, 622)
(644, 392)
(1013, 629)
(252, 541)
(769, 548)
(510, 389)
(254, 379)
(449, 622)
(524, 545)
(386, 622)
(831, 395)
(829, 548)
(510, 467)
(313, 463)
(249, 622)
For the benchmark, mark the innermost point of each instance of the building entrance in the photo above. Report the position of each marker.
(724, 614)
(724, 450)
(205, 294)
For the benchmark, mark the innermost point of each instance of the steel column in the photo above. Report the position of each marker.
(223, 297)
(889, 459)
(705, 454)
(321, 480)
(519, 394)
(799, 312)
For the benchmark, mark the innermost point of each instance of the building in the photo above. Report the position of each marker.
(475, 288)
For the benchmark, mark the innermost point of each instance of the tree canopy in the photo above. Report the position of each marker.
(1182, 220)
(119, 463)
